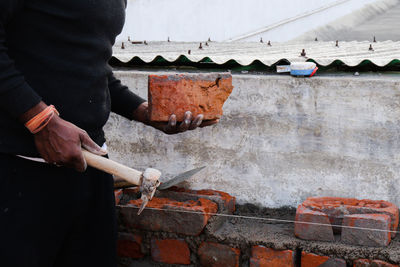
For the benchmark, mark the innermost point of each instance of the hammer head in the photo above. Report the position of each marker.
(148, 186)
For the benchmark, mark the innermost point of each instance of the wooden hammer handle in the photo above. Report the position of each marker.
(101, 163)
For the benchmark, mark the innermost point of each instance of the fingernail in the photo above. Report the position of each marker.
(173, 120)
(200, 119)
(103, 151)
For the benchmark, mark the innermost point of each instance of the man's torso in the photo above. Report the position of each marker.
(62, 48)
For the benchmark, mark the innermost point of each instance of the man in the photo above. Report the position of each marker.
(56, 52)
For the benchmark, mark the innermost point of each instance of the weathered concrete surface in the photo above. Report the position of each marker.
(281, 139)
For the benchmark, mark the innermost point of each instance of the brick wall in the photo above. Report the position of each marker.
(356, 216)
(178, 229)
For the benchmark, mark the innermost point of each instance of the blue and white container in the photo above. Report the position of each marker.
(307, 69)
(299, 69)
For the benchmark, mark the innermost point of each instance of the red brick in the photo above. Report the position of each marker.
(118, 195)
(362, 263)
(168, 215)
(267, 257)
(336, 208)
(314, 260)
(366, 237)
(218, 255)
(372, 263)
(170, 251)
(378, 263)
(131, 190)
(129, 246)
(226, 202)
(177, 93)
(307, 225)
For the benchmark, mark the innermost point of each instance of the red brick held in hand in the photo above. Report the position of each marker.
(218, 255)
(177, 93)
(170, 251)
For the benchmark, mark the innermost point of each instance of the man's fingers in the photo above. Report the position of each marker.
(188, 123)
(209, 122)
(171, 126)
(79, 163)
(187, 119)
(88, 144)
(43, 152)
(196, 122)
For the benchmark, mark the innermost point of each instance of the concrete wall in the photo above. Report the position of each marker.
(282, 139)
(192, 20)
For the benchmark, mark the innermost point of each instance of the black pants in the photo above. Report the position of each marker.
(54, 216)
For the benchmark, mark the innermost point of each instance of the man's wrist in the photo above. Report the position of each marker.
(40, 121)
(25, 117)
(141, 113)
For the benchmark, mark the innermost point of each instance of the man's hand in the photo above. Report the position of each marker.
(171, 127)
(61, 142)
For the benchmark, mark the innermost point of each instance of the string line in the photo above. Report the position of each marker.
(269, 219)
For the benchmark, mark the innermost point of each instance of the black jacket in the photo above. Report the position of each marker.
(58, 51)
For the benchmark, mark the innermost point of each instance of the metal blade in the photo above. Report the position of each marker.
(180, 178)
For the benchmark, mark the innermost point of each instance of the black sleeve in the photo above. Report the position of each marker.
(16, 96)
(123, 101)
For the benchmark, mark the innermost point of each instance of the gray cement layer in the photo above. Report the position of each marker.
(281, 139)
(245, 232)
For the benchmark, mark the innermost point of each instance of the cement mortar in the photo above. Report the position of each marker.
(280, 236)
(281, 139)
(243, 233)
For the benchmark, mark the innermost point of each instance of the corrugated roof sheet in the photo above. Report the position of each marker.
(323, 53)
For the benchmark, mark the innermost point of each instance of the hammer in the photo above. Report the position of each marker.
(148, 181)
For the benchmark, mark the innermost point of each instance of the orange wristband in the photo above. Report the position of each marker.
(37, 123)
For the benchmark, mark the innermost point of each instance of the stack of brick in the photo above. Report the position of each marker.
(357, 222)
(181, 213)
(267, 257)
(172, 231)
